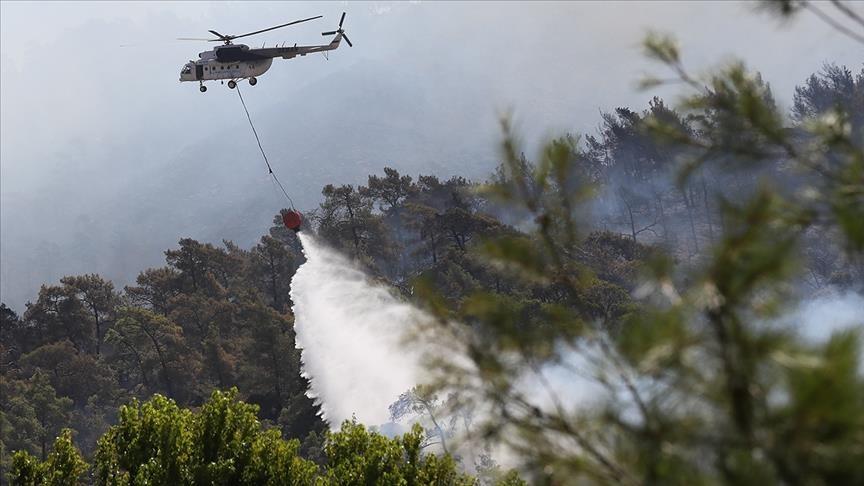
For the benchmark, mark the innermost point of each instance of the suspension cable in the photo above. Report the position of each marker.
(257, 139)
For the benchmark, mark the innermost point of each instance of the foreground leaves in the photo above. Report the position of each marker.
(157, 442)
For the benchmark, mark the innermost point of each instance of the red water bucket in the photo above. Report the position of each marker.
(292, 220)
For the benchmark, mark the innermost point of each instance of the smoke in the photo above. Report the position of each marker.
(351, 331)
(816, 319)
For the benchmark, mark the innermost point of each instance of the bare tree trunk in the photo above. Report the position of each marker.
(44, 440)
(273, 287)
(630, 214)
(165, 375)
(689, 205)
(278, 386)
(353, 226)
(663, 224)
(98, 332)
(138, 360)
(707, 209)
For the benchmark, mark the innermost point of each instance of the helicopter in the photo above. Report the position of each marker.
(237, 61)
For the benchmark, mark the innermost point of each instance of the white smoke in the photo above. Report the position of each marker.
(351, 331)
(829, 311)
(817, 318)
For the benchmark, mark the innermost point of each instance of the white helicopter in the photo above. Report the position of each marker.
(237, 61)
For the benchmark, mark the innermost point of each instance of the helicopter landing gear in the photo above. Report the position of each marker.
(202, 88)
(232, 84)
(253, 81)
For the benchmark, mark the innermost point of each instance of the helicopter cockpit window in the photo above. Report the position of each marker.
(186, 70)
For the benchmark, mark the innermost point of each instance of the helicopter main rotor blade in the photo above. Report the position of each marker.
(217, 34)
(329, 33)
(193, 39)
(347, 40)
(232, 37)
(342, 20)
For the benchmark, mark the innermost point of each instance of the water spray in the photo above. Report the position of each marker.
(351, 333)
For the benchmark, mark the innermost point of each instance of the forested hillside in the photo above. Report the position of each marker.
(587, 241)
(216, 182)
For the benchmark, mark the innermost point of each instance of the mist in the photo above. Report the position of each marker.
(106, 160)
(829, 312)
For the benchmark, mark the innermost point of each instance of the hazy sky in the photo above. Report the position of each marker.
(91, 100)
(66, 77)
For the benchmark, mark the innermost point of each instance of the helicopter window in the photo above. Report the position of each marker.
(186, 70)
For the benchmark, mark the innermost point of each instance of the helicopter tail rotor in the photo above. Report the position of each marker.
(340, 30)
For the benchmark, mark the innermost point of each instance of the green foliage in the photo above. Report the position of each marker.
(155, 343)
(275, 461)
(661, 47)
(152, 441)
(63, 467)
(818, 439)
(213, 318)
(833, 89)
(520, 254)
(511, 478)
(41, 410)
(275, 263)
(346, 221)
(160, 443)
(357, 456)
(391, 189)
(98, 297)
(72, 373)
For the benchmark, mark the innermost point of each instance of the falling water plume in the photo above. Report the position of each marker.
(351, 331)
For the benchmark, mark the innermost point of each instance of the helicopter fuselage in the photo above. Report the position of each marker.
(208, 70)
(227, 62)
